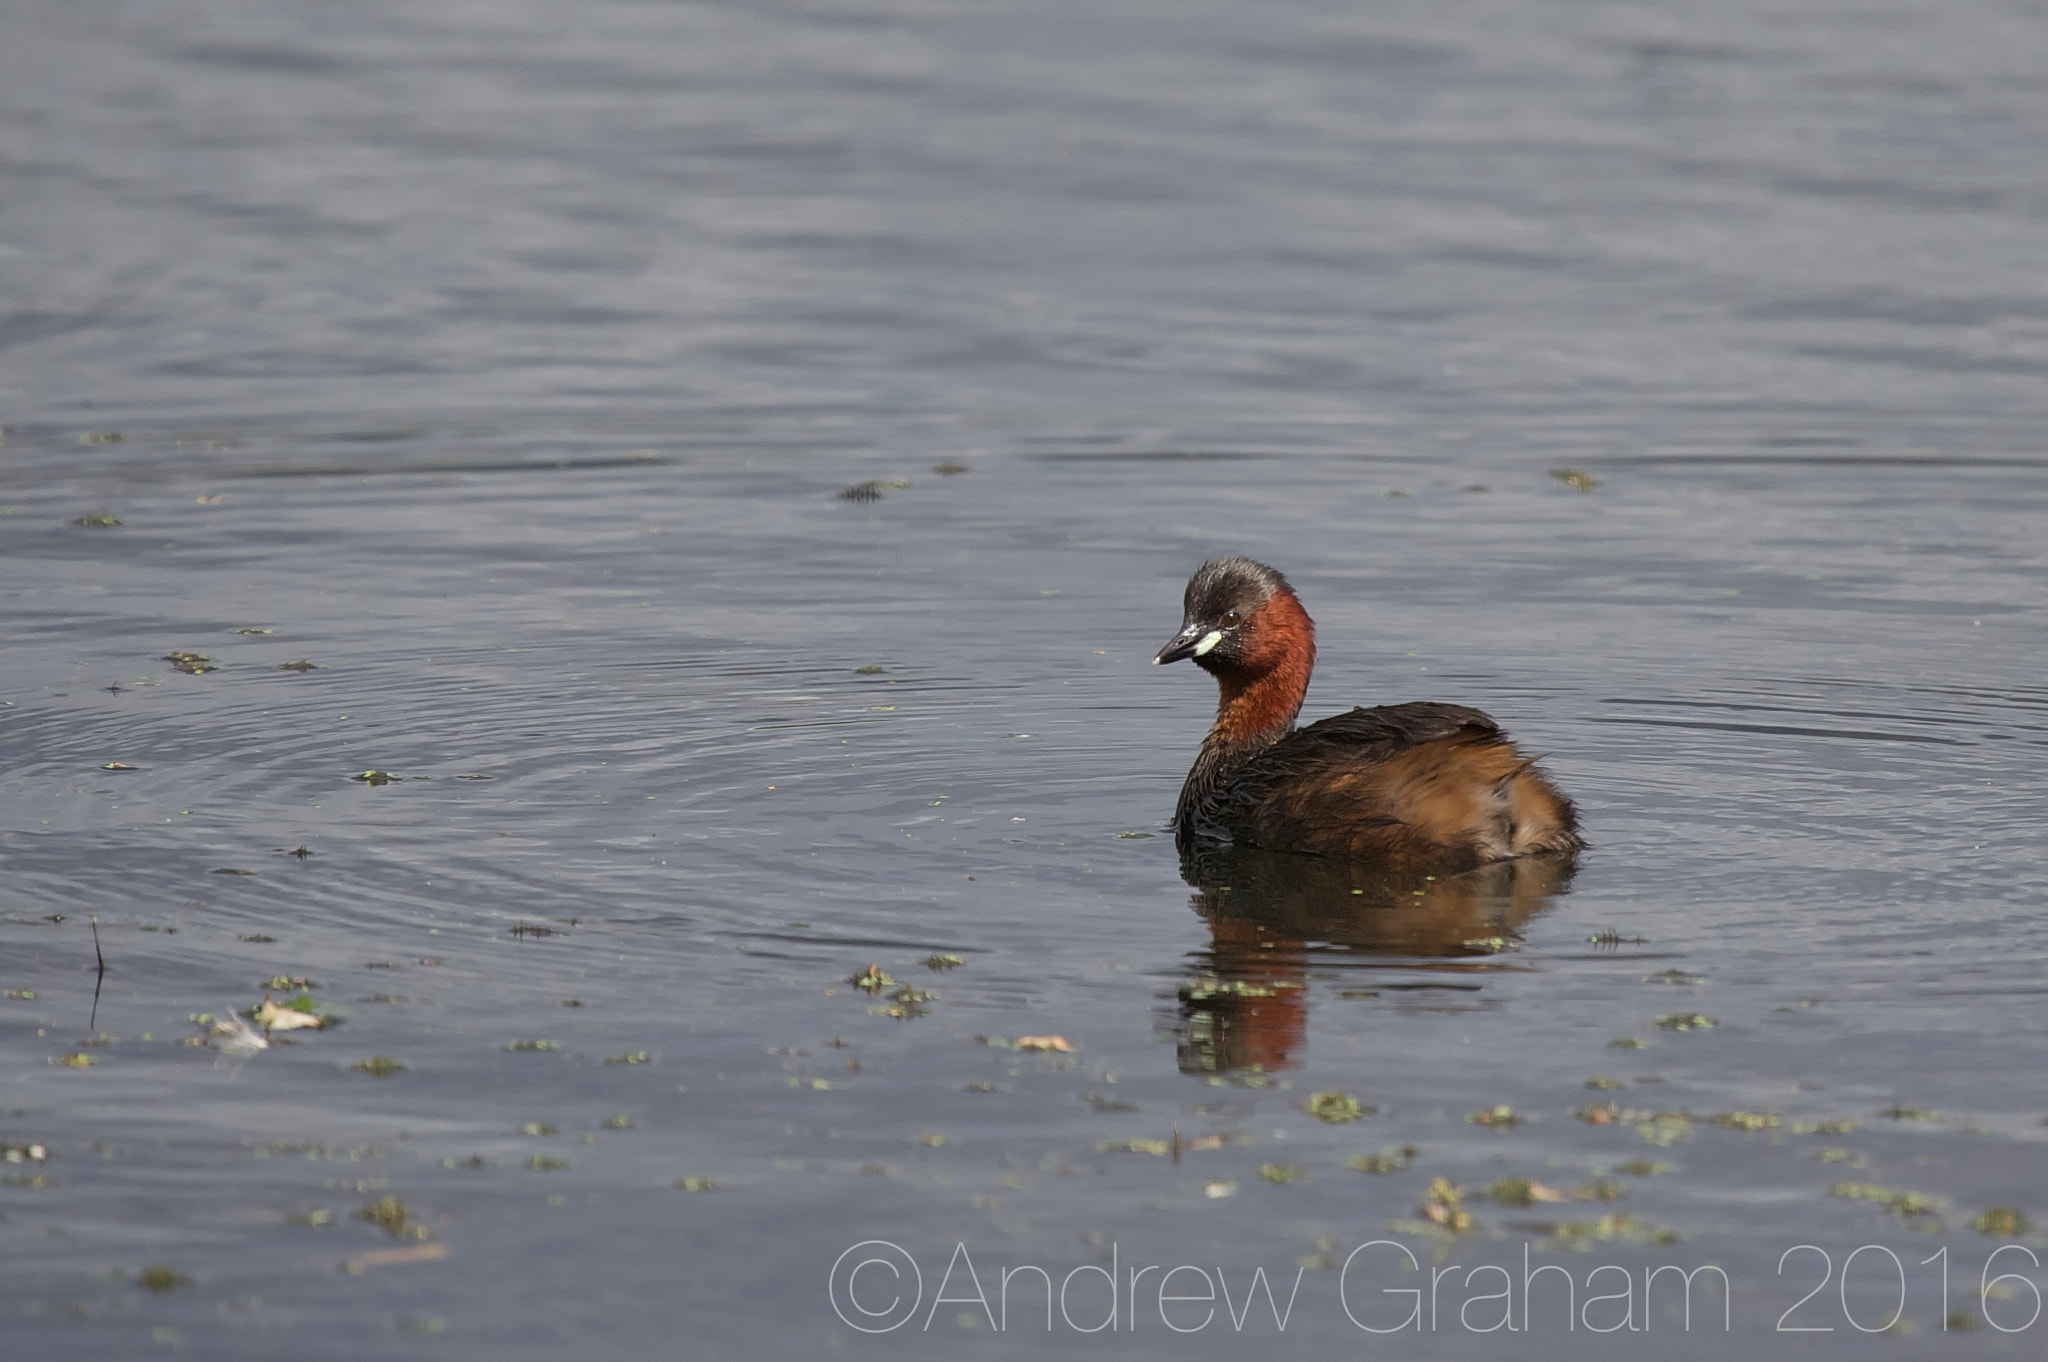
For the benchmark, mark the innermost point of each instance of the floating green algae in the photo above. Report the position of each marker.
(1335, 1107)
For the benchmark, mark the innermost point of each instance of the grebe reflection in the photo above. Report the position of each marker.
(1271, 913)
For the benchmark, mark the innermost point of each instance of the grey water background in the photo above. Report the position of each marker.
(503, 360)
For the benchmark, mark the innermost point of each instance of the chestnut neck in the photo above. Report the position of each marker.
(1259, 694)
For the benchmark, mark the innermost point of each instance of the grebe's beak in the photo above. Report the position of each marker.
(1192, 641)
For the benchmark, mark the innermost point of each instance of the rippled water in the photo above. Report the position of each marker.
(473, 386)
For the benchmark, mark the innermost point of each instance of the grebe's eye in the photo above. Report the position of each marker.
(1232, 619)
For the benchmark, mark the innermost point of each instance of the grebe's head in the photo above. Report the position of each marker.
(1229, 623)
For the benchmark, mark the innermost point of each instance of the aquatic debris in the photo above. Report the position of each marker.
(935, 1139)
(908, 1002)
(949, 469)
(2001, 1222)
(870, 670)
(1745, 1120)
(1896, 1112)
(98, 521)
(1280, 1174)
(1575, 478)
(1628, 1043)
(1025, 1043)
(1389, 1161)
(1686, 1021)
(1336, 1108)
(233, 1036)
(1674, 976)
(1661, 1128)
(100, 965)
(636, 1057)
(1664, 1128)
(379, 1066)
(1132, 835)
(620, 1122)
(255, 631)
(942, 961)
(1210, 987)
(871, 490)
(522, 930)
(547, 1163)
(21, 994)
(315, 1219)
(80, 1060)
(1604, 1084)
(873, 979)
(393, 1216)
(531, 1045)
(1098, 1102)
(1906, 1205)
(394, 1257)
(374, 777)
(101, 437)
(118, 766)
(285, 981)
(1642, 1168)
(1500, 1116)
(1610, 938)
(697, 1184)
(300, 666)
(1488, 945)
(23, 1153)
(1158, 1147)
(302, 852)
(1521, 1192)
(296, 1014)
(192, 664)
(1832, 1127)
(1216, 1191)
(1583, 1234)
(1443, 1204)
(230, 870)
(161, 1278)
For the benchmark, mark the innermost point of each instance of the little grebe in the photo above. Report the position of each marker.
(1415, 782)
